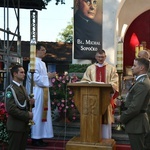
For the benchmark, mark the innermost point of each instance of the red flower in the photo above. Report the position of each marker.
(3, 113)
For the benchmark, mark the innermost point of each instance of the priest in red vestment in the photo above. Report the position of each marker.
(101, 71)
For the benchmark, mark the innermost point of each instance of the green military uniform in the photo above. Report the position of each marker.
(148, 110)
(16, 101)
(135, 117)
(147, 137)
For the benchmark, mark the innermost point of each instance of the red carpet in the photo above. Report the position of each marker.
(52, 145)
(123, 147)
(60, 145)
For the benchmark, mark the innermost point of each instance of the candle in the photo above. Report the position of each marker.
(141, 47)
(120, 56)
(136, 51)
(32, 55)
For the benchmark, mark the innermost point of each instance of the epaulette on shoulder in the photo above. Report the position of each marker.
(8, 92)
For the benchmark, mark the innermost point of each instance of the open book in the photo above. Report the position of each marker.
(90, 82)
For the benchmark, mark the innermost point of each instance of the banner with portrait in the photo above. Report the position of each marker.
(87, 28)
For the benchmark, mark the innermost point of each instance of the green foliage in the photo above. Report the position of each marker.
(67, 34)
(57, 2)
(62, 97)
(80, 68)
(3, 132)
(46, 1)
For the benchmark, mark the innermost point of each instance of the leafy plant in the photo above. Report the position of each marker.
(57, 2)
(67, 34)
(62, 96)
(81, 68)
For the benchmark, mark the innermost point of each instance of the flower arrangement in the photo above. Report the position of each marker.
(3, 119)
(62, 96)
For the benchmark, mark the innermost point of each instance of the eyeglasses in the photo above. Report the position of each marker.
(100, 57)
(90, 2)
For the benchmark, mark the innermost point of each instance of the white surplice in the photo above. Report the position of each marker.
(40, 129)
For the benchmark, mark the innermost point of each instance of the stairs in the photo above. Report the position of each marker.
(65, 131)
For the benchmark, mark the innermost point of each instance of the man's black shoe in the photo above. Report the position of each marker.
(39, 143)
(43, 143)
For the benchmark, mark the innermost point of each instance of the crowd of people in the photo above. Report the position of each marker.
(33, 114)
(18, 103)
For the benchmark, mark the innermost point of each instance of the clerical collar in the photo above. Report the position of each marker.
(39, 58)
(84, 18)
(100, 65)
(16, 83)
(140, 76)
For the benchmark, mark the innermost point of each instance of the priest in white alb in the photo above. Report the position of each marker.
(42, 111)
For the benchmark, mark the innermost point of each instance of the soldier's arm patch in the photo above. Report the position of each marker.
(8, 94)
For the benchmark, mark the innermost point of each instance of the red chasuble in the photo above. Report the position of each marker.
(101, 74)
(101, 77)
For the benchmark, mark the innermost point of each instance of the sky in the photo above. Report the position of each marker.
(51, 21)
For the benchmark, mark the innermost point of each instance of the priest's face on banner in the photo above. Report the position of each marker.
(87, 28)
(88, 8)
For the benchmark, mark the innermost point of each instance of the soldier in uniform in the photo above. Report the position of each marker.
(135, 117)
(145, 54)
(17, 104)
